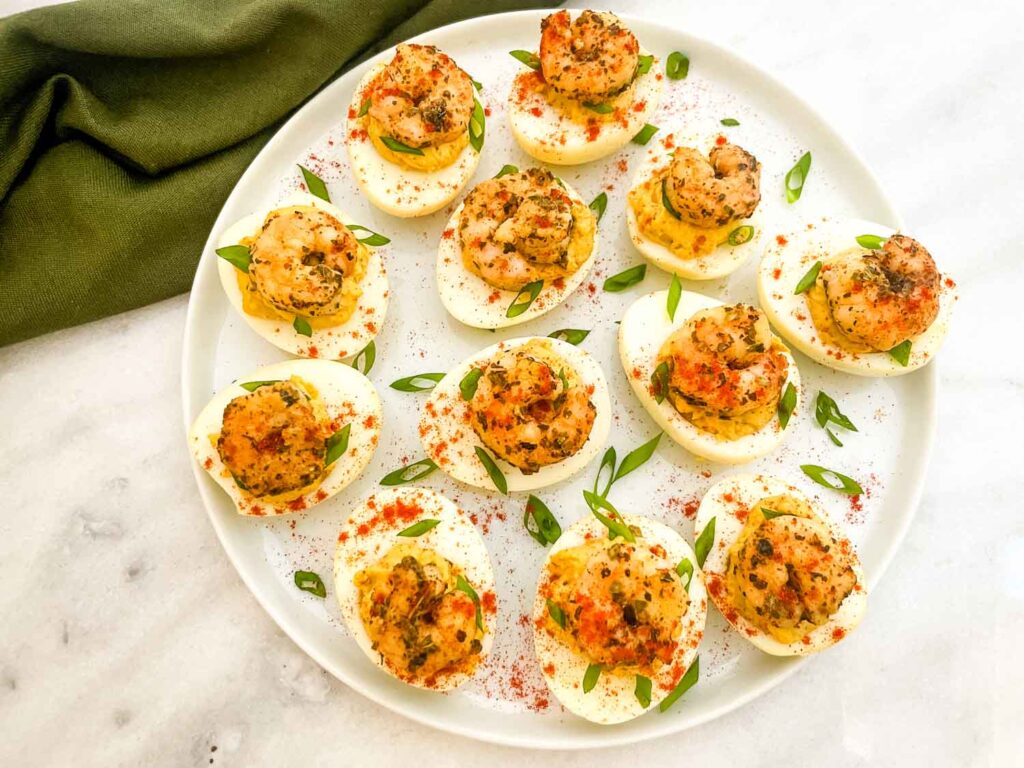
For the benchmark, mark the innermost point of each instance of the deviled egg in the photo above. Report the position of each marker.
(302, 279)
(693, 208)
(714, 378)
(415, 131)
(778, 568)
(288, 436)
(857, 296)
(514, 249)
(617, 623)
(588, 92)
(416, 587)
(518, 415)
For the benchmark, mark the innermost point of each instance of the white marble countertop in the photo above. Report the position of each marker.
(128, 639)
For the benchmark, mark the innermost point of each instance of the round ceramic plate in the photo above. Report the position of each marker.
(508, 702)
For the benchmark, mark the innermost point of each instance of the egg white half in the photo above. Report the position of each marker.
(334, 343)
(783, 266)
(348, 397)
(454, 538)
(548, 135)
(643, 330)
(448, 437)
(471, 300)
(723, 260)
(397, 190)
(612, 700)
(737, 494)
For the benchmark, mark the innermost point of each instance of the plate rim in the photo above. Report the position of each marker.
(604, 736)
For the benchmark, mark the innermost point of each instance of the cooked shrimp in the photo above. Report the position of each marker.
(271, 441)
(593, 57)
(415, 621)
(530, 413)
(624, 612)
(723, 360)
(422, 98)
(300, 260)
(715, 190)
(522, 227)
(884, 297)
(792, 570)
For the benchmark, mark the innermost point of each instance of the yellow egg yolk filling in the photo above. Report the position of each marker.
(433, 158)
(417, 619)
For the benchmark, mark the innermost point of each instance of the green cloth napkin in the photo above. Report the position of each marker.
(124, 125)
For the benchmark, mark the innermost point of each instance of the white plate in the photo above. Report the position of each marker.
(888, 455)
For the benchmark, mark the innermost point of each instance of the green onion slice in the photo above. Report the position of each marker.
(492, 470)
(314, 184)
(372, 239)
(786, 404)
(365, 358)
(364, 107)
(546, 529)
(771, 514)
(637, 457)
(741, 235)
(796, 177)
(901, 352)
(599, 107)
(526, 296)
(302, 326)
(644, 64)
(826, 410)
(677, 67)
(237, 256)
(832, 436)
(659, 382)
(574, 336)
(808, 279)
(625, 279)
(421, 382)
(526, 57)
(506, 170)
(590, 677)
(477, 126)
(477, 84)
(871, 242)
(645, 134)
(410, 473)
(685, 568)
(336, 445)
(419, 528)
(468, 384)
(666, 202)
(704, 542)
(730, 121)
(607, 462)
(598, 205)
(642, 691)
(685, 683)
(310, 582)
(823, 476)
(396, 146)
(675, 291)
(613, 522)
(556, 613)
(464, 586)
(252, 386)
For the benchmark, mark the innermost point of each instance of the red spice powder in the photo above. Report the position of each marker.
(720, 140)
(321, 495)
(208, 463)
(370, 421)
(448, 233)
(593, 131)
(489, 602)
(312, 351)
(343, 537)
(297, 505)
(776, 273)
(838, 633)
(781, 240)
